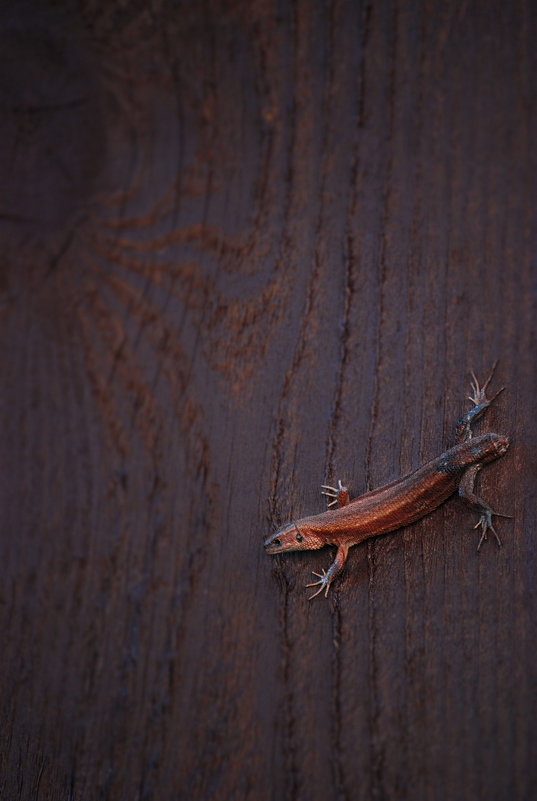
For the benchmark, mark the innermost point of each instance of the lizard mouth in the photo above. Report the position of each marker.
(272, 546)
(279, 541)
(273, 543)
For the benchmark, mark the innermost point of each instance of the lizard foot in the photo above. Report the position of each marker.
(479, 394)
(339, 494)
(324, 581)
(485, 521)
(480, 402)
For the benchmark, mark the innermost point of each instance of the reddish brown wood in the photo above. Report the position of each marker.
(249, 248)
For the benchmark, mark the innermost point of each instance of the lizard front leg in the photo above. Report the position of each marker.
(339, 494)
(327, 576)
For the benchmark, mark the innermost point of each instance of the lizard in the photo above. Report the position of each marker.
(402, 501)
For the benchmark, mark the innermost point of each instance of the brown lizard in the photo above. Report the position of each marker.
(403, 501)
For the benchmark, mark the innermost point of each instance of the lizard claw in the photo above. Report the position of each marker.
(332, 492)
(324, 581)
(485, 521)
(480, 402)
(479, 394)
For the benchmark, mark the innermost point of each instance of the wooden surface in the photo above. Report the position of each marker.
(249, 248)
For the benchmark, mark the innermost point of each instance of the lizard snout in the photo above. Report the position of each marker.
(282, 540)
(274, 541)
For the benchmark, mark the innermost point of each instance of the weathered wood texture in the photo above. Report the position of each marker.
(249, 247)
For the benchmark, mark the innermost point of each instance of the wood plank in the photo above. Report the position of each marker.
(248, 249)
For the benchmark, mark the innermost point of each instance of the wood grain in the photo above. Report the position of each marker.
(249, 248)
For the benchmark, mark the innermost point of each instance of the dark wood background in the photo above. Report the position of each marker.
(248, 248)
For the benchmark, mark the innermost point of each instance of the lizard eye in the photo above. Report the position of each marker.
(299, 537)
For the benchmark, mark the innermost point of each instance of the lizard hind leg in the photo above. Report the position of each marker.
(485, 521)
(481, 403)
(469, 496)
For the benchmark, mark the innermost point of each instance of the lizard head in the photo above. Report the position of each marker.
(293, 537)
